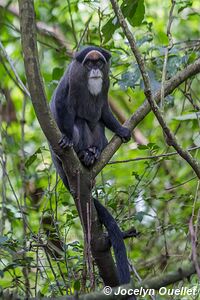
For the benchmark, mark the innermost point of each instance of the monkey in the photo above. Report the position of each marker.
(80, 105)
(80, 108)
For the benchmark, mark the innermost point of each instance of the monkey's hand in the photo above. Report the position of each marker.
(65, 142)
(125, 134)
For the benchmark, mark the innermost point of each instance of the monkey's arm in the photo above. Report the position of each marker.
(66, 125)
(111, 123)
(63, 112)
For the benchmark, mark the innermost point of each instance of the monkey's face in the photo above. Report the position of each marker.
(95, 63)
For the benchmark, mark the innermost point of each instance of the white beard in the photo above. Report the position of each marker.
(95, 85)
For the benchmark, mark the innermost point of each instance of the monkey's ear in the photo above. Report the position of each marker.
(80, 56)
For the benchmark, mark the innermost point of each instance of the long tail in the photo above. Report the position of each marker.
(115, 234)
(116, 238)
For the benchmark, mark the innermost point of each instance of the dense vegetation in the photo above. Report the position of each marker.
(149, 187)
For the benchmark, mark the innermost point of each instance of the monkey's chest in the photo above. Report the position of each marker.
(90, 111)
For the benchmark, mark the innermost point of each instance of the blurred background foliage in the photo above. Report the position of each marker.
(157, 196)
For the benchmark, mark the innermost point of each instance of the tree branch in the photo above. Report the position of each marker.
(19, 81)
(143, 111)
(170, 138)
(79, 178)
(164, 155)
(71, 164)
(136, 134)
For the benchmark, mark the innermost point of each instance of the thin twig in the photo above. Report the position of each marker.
(3, 189)
(12, 77)
(84, 32)
(180, 184)
(14, 69)
(100, 16)
(167, 50)
(17, 200)
(149, 157)
(25, 269)
(72, 23)
(53, 272)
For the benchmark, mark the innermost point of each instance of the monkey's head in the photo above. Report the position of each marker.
(95, 62)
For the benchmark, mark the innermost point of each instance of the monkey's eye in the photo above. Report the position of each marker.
(100, 64)
(89, 64)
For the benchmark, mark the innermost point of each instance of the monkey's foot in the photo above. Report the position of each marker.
(95, 151)
(65, 142)
(89, 156)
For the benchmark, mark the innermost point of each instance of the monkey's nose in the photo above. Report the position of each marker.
(95, 73)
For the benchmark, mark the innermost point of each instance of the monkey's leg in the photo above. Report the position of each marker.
(84, 142)
(99, 140)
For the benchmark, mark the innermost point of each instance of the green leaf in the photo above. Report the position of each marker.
(134, 11)
(138, 17)
(109, 28)
(140, 215)
(143, 147)
(33, 157)
(30, 160)
(128, 79)
(149, 146)
(57, 73)
(185, 4)
(136, 175)
(10, 266)
(145, 39)
(174, 64)
(128, 7)
(153, 146)
(77, 285)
